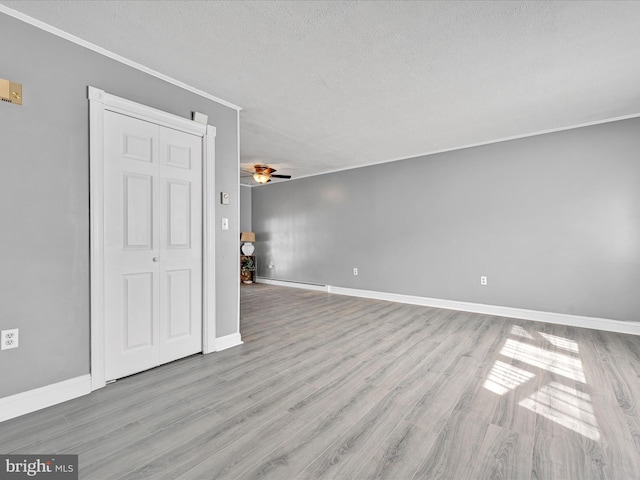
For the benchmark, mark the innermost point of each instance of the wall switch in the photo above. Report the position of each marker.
(224, 198)
(483, 280)
(355, 271)
(9, 339)
(271, 265)
(225, 224)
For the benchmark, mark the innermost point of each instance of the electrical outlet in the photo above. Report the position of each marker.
(355, 271)
(483, 280)
(9, 339)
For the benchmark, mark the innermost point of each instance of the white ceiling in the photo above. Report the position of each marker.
(331, 85)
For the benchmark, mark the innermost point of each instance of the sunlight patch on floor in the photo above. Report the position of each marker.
(565, 365)
(504, 377)
(565, 406)
(562, 404)
(561, 342)
(520, 332)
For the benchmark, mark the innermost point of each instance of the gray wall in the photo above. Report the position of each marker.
(44, 199)
(245, 209)
(552, 220)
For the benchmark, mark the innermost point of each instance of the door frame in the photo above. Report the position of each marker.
(99, 102)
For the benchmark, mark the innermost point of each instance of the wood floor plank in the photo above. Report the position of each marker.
(331, 397)
(563, 408)
(617, 447)
(506, 448)
(401, 454)
(620, 357)
(503, 454)
(455, 451)
(292, 456)
(198, 443)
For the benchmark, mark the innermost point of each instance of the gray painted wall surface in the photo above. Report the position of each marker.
(552, 220)
(245, 209)
(44, 199)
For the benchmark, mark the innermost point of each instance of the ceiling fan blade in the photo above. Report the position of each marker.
(281, 176)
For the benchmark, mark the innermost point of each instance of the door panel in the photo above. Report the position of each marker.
(138, 310)
(179, 155)
(137, 147)
(178, 214)
(137, 214)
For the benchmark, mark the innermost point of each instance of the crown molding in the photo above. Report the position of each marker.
(102, 51)
(471, 145)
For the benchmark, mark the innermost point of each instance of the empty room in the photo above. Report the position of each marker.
(320, 240)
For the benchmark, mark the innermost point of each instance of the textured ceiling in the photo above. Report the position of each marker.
(332, 85)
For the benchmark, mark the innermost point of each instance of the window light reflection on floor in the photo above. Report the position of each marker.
(565, 406)
(562, 404)
(560, 342)
(504, 377)
(565, 365)
(520, 332)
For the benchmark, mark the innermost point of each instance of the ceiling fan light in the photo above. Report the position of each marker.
(261, 177)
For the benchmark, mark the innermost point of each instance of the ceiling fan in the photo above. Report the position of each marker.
(263, 173)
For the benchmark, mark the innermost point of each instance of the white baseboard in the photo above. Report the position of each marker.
(228, 341)
(604, 324)
(283, 283)
(43, 397)
(595, 323)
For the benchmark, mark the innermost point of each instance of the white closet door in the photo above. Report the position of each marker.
(180, 245)
(152, 248)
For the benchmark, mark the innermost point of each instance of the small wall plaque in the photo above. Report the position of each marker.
(10, 92)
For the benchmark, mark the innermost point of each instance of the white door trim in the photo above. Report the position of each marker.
(99, 102)
(208, 242)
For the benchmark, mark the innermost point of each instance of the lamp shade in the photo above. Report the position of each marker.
(247, 237)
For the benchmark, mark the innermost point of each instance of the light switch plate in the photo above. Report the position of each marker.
(224, 198)
(225, 224)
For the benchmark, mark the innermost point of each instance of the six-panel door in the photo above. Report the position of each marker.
(153, 248)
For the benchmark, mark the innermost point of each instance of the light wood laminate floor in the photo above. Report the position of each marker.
(334, 387)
